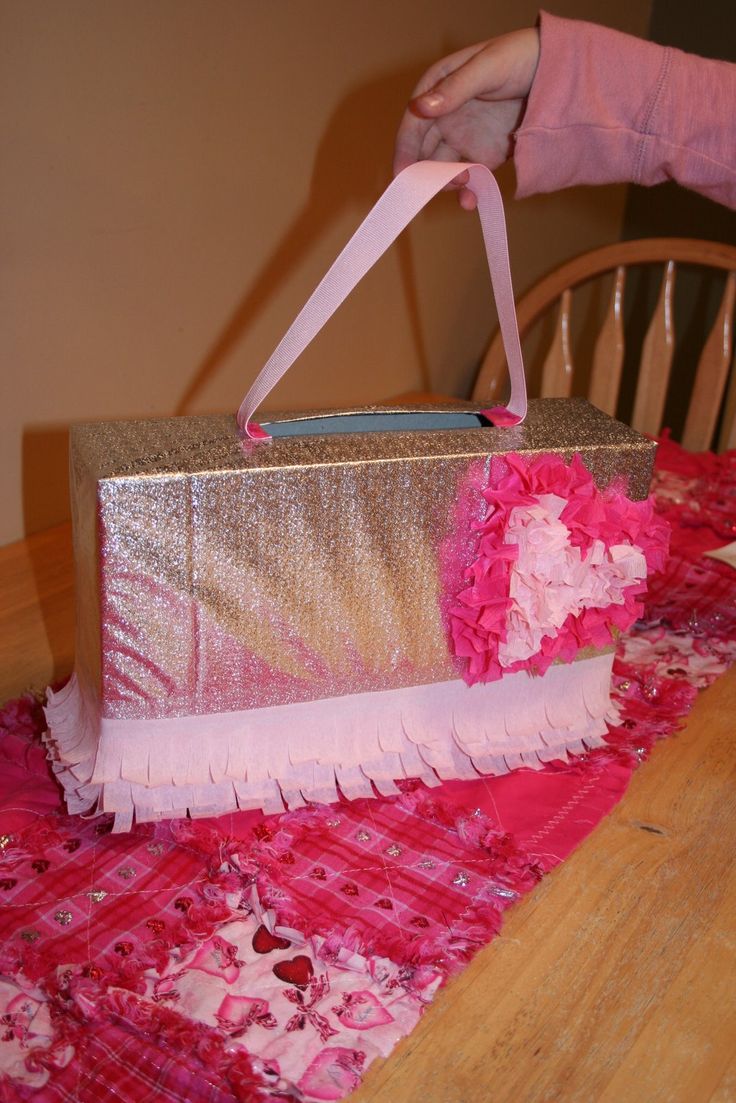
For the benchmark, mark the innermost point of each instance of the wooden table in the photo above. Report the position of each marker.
(613, 982)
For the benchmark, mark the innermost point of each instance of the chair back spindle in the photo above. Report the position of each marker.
(712, 374)
(727, 436)
(707, 412)
(557, 370)
(608, 355)
(656, 359)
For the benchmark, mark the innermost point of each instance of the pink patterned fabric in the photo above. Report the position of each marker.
(560, 565)
(184, 962)
(27, 789)
(130, 1053)
(310, 1027)
(301, 1017)
(67, 873)
(425, 879)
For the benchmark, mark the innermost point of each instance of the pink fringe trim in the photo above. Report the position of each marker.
(356, 746)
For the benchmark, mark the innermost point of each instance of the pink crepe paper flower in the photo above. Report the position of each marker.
(560, 565)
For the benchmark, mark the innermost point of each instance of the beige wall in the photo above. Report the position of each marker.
(177, 174)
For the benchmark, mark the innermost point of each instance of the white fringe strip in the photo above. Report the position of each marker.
(206, 765)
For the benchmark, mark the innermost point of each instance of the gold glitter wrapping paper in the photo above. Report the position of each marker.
(216, 578)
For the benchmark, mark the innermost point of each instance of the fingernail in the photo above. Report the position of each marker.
(433, 100)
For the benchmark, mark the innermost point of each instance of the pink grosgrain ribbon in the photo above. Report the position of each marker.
(400, 203)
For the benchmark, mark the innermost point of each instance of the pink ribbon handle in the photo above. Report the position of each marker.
(400, 203)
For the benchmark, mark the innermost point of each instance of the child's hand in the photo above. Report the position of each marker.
(468, 105)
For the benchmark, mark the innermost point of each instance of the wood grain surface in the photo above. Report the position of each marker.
(613, 982)
(36, 611)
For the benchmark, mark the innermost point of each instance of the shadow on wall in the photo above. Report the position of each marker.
(45, 503)
(346, 158)
(45, 476)
(363, 123)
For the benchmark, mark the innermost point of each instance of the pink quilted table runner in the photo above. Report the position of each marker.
(259, 958)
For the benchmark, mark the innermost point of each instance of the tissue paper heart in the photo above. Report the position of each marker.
(560, 564)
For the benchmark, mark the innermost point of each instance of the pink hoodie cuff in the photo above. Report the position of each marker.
(606, 107)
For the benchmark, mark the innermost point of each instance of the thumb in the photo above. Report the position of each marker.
(500, 69)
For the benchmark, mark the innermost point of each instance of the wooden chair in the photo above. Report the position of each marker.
(711, 379)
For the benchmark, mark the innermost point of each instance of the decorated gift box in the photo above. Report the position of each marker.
(325, 604)
(343, 608)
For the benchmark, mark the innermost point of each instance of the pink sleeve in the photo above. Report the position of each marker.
(606, 107)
